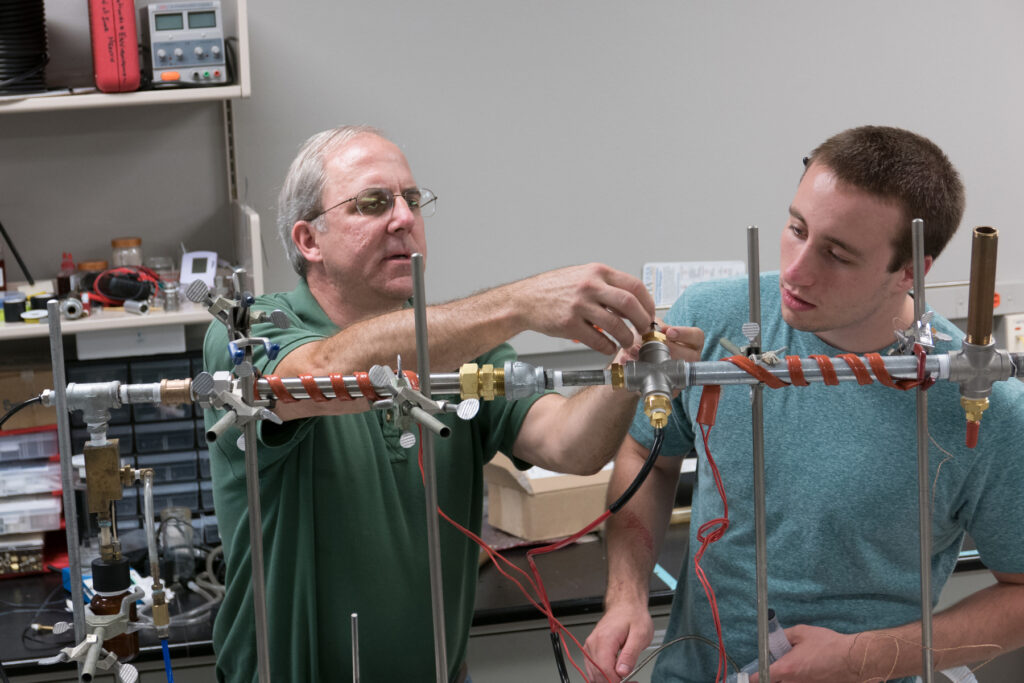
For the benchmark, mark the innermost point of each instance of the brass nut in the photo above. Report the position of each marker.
(499, 382)
(658, 407)
(655, 335)
(618, 372)
(469, 381)
(487, 382)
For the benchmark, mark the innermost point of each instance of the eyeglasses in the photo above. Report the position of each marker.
(377, 201)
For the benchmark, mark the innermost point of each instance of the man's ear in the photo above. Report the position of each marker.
(306, 239)
(907, 273)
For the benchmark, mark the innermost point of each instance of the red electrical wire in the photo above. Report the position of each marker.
(713, 529)
(542, 603)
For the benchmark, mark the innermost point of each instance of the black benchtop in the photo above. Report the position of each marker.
(574, 578)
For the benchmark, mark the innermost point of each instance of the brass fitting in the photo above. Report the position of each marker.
(655, 335)
(482, 382)
(161, 613)
(657, 408)
(175, 392)
(469, 381)
(488, 380)
(974, 407)
(618, 372)
(102, 475)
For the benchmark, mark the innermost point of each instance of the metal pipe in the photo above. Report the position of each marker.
(983, 285)
(430, 474)
(67, 482)
(252, 490)
(923, 478)
(757, 426)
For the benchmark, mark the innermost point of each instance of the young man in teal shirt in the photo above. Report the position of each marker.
(843, 558)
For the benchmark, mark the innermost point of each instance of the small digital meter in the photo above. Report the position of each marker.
(184, 43)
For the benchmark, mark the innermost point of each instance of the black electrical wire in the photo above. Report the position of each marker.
(659, 438)
(15, 409)
(14, 250)
(638, 480)
(556, 643)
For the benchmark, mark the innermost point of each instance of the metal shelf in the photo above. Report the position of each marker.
(109, 319)
(143, 97)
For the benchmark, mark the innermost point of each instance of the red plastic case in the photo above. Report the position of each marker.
(115, 45)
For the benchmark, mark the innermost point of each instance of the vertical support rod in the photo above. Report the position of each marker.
(923, 497)
(252, 490)
(67, 481)
(355, 648)
(430, 473)
(757, 421)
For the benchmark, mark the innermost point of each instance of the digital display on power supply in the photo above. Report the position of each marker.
(202, 19)
(169, 22)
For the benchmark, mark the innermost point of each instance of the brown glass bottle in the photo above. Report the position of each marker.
(111, 582)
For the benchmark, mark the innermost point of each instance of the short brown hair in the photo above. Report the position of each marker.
(900, 165)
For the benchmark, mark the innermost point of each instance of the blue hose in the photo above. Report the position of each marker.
(167, 661)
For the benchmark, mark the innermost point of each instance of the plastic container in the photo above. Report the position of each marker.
(163, 437)
(126, 251)
(184, 495)
(28, 444)
(170, 467)
(204, 464)
(15, 304)
(26, 514)
(65, 274)
(176, 542)
(148, 371)
(17, 479)
(206, 495)
(128, 506)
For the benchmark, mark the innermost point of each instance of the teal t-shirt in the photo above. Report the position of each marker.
(841, 489)
(344, 529)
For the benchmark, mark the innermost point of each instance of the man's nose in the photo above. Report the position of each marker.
(402, 216)
(801, 267)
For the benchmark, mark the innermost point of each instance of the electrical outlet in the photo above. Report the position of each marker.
(1013, 327)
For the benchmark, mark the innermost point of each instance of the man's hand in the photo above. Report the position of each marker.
(617, 641)
(819, 655)
(684, 343)
(571, 302)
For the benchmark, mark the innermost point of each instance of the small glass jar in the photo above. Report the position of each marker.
(127, 251)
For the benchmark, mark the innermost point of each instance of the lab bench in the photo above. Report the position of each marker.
(574, 578)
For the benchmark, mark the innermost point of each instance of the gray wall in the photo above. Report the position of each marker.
(571, 131)
(555, 132)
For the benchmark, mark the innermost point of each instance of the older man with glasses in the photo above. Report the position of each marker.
(343, 502)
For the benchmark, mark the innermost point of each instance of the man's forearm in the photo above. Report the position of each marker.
(457, 332)
(635, 534)
(981, 626)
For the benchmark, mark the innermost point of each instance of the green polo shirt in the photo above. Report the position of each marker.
(344, 528)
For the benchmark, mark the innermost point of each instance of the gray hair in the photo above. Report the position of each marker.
(303, 187)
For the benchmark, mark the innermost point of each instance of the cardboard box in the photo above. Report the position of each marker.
(20, 384)
(539, 505)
